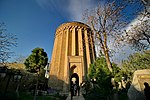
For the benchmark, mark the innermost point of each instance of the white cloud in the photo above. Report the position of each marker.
(77, 7)
(136, 22)
(71, 9)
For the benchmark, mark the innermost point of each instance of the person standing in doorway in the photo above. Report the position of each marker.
(72, 90)
(75, 89)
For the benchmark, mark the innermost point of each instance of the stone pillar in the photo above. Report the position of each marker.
(66, 67)
(58, 72)
(87, 48)
(73, 42)
(80, 42)
(54, 55)
(60, 52)
(81, 50)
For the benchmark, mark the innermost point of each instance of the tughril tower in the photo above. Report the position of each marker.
(73, 51)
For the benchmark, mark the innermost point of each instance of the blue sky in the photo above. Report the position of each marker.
(33, 25)
(35, 21)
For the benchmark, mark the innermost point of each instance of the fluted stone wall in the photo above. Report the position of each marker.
(73, 51)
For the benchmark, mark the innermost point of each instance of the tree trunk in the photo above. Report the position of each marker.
(105, 51)
(108, 61)
(37, 82)
(106, 54)
(36, 87)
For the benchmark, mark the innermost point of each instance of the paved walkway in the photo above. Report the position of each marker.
(75, 97)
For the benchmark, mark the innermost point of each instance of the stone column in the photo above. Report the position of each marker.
(66, 67)
(73, 42)
(59, 54)
(80, 42)
(87, 48)
(54, 55)
(81, 51)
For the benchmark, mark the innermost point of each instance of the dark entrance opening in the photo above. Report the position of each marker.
(75, 78)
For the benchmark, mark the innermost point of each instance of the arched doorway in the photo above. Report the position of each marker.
(74, 79)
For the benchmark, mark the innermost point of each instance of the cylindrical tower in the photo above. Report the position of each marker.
(73, 51)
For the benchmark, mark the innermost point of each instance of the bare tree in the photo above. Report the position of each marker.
(7, 41)
(138, 35)
(106, 22)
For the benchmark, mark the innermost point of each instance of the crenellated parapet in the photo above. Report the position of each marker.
(71, 26)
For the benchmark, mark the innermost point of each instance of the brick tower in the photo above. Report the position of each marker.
(73, 51)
